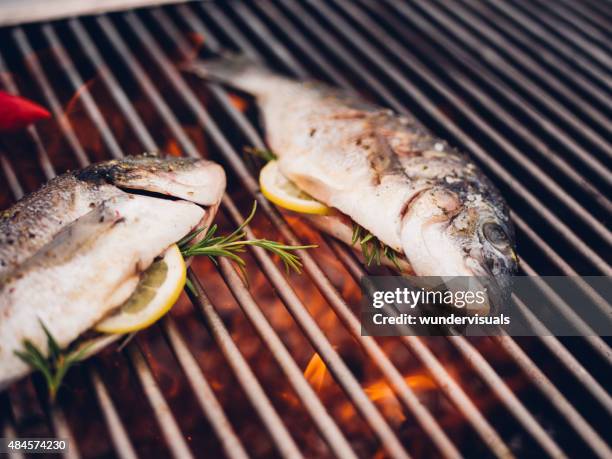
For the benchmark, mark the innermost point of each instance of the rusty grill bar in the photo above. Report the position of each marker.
(523, 86)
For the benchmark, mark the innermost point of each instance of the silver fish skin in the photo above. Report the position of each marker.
(385, 171)
(35, 219)
(74, 250)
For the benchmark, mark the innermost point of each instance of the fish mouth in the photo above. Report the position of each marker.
(498, 287)
(434, 250)
(198, 181)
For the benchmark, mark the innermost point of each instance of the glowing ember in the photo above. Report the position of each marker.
(238, 102)
(70, 106)
(197, 41)
(381, 393)
(315, 372)
(172, 148)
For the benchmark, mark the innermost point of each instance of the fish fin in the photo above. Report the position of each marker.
(224, 68)
(238, 71)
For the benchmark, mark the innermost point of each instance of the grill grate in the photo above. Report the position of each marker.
(522, 86)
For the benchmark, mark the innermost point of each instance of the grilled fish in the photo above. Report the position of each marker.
(74, 250)
(385, 171)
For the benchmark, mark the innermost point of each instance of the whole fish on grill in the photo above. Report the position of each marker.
(73, 251)
(384, 171)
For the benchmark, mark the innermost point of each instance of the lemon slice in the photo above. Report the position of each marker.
(158, 289)
(282, 192)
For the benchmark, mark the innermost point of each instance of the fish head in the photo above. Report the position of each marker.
(190, 179)
(462, 230)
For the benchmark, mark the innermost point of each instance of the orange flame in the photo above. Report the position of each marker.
(382, 393)
(238, 102)
(315, 372)
(197, 40)
(70, 106)
(172, 148)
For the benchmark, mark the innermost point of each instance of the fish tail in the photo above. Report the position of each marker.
(235, 70)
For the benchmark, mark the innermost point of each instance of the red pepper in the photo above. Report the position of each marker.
(16, 112)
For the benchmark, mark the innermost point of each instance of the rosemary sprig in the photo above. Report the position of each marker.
(191, 287)
(264, 154)
(232, 245)
(57, 363)
(372, 248)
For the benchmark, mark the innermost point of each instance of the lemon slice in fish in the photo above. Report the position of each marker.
(158, 289)
(282, 192)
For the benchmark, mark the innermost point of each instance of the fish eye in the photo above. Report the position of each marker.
(495, 234)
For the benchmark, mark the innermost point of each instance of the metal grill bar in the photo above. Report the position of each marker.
(600, 9)
(119, 436)
(340, 372)
(543, 52)
(496, 384)
(79, 85)
(529, 63)
(544, 35)
(536, 91)
(568, 360)
(578, 24)
(588, 47)
(204, 393)
(566, 310)
(169, 427)
(565, 268)
(245, 375)
(586, 13)
(545, 385)
(111, 83)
